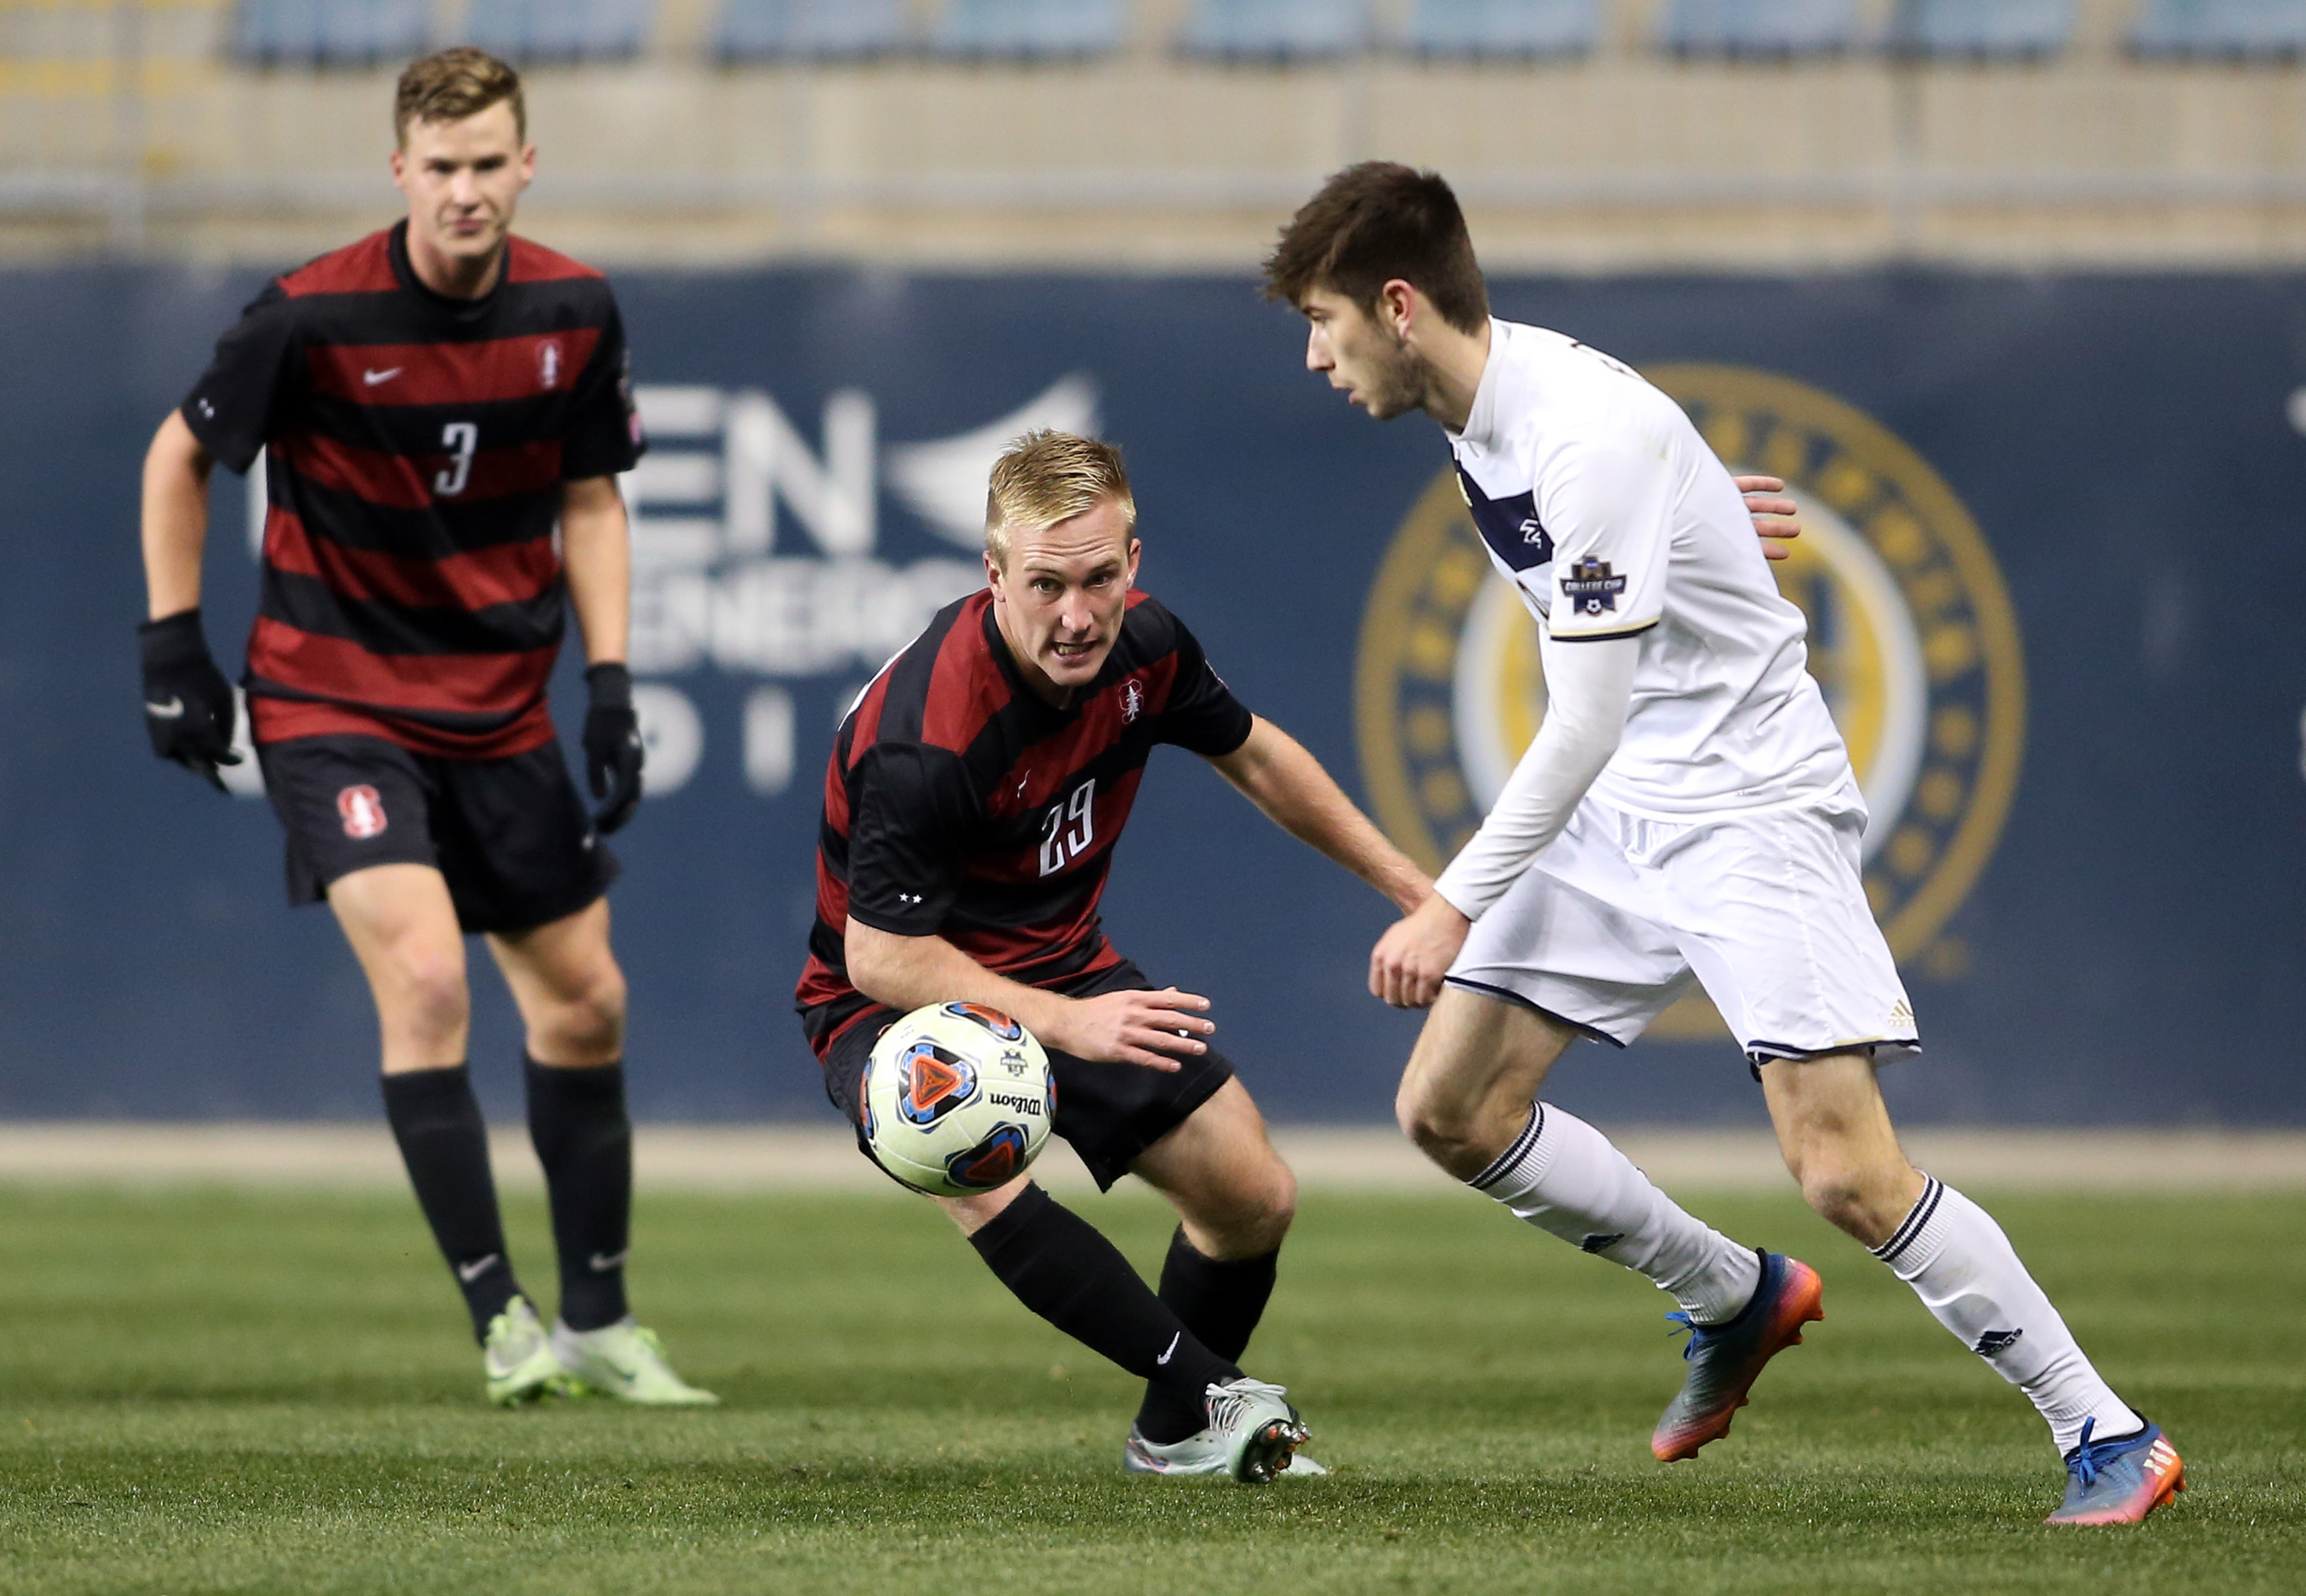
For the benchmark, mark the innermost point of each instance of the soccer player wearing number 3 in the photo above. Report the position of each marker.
(432, 400)
(1686, 807)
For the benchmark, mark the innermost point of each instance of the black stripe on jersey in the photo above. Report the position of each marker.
(409, 316)
(1599, 636)
(447, 527)
(415, 429)
(382, 627)
(905, 700)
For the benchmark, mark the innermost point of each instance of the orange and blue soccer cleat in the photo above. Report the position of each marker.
(1725, 1359)
(2119, 1482)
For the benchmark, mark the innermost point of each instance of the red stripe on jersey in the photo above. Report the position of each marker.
(477, 373)
(527, 262)
(414, 481)
(505, 574)
(280, 719)
(362, 268)
(477, 685)
(966, 686)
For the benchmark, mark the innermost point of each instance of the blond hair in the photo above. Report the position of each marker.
(451, 85)
(1047, 477)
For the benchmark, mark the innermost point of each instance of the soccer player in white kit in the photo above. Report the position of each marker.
(1686, 807)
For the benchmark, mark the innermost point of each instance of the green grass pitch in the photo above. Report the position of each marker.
(222, 1392)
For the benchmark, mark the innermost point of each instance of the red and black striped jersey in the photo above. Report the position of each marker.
(959, 805)
(415, 448)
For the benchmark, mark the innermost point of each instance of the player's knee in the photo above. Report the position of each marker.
(591, 1016)
(427, 992)
(1270, 1208)
(1441, 1124)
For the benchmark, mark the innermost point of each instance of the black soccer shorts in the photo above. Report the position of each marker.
(510, 836)
(1109, 1112)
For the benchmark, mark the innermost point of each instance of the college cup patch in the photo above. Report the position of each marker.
(361, 811)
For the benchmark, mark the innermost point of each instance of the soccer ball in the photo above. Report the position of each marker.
(957, 1099)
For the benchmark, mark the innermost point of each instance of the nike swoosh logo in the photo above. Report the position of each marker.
(1164, 1359)
(174, 710)
(602, 1262)
(473, 1271)
(373, 377)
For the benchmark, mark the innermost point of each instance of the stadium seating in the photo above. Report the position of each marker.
(809, 29)
(2222, 29)
(1768, 29)
(1276, 30)
(1984, 29)
(559, 30)
(330, 32)
(1029, 30)
(1503, 30)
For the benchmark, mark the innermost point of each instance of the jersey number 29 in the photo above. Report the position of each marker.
(1069, 828)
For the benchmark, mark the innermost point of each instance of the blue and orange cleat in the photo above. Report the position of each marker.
(1725, 1359)
(2119, 1482)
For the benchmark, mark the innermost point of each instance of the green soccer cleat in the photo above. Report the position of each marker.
(627, 1361)
(517, 1357)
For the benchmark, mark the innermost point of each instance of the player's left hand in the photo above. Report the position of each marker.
(1409, 961)
(1775, 517)
(612, 746)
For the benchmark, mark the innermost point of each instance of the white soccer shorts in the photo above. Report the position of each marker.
(1764, 907)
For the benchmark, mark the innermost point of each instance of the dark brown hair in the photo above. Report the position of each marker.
(452, 85)
(1373, 223)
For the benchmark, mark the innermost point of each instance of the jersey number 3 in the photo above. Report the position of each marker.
(1069, 828)
(460, 439)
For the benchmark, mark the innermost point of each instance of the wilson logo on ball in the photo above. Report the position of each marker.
(993, 1162)
(932, 1083)
(992, 1020)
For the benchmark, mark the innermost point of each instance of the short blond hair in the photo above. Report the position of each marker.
(450, 85)
(1047, 477)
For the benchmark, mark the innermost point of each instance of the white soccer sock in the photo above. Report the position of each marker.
(1965, 1271)
(1563, 1176)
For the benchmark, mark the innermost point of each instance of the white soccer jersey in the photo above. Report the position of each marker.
(1604, 507)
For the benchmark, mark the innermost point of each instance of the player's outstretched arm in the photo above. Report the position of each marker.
(1276, 773)
(1776, 517)
(596, 551)
(188, 705)
(1115, 1028)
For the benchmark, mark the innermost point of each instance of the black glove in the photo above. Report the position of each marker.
(188, 704)
(612, 746)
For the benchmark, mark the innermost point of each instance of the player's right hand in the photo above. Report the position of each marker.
(1410, 960)
(1136, 1028)
(188, 704)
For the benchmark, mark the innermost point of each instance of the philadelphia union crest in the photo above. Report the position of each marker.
(1911, 635)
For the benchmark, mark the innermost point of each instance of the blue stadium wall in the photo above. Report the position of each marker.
(2065, 595)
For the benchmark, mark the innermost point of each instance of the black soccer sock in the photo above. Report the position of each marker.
(1059, 1266)
(1220, 1301)
(576, 1119)
(436, 1121)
